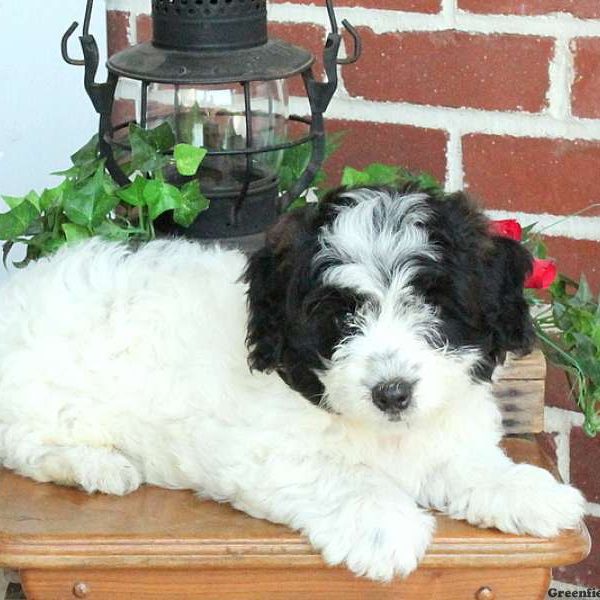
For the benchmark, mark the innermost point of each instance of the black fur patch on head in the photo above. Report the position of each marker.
(294, 320)
(477, 285)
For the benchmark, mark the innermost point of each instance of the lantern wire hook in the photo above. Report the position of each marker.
(67, 36)
(357, 49)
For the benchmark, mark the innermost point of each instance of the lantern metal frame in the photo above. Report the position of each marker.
(177, 57)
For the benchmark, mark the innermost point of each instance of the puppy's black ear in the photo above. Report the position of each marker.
(267, 275)
(508, 264)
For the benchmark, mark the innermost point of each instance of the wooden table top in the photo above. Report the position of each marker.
(47, 526)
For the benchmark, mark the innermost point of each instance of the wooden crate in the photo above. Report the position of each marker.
(519, 390)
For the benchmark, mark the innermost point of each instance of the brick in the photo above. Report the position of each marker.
(144, 28)
(117, 31)
(587, 572)
(311, 37)
(412, 147)
(456, 69)
(585, 460)
(422, 6)
(558, 392)
(586, 84)
(547, 442)
(532, 174)
(589, 9)
(575, 257)
(123, 112)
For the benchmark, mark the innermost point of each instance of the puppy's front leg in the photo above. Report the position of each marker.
(484, 487)
(350, 514)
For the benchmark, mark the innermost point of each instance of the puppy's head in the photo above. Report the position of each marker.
(381, 305)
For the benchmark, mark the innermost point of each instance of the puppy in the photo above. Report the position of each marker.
(337, 382)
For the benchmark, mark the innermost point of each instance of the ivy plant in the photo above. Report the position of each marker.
(88, 203)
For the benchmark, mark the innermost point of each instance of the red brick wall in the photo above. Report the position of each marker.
(496, 96)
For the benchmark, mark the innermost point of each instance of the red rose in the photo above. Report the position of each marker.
(507, 228)
(543, 274)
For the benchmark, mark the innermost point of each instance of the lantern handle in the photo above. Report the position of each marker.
(64, 46)
(100, 93)
(320, 94)
(357, 49)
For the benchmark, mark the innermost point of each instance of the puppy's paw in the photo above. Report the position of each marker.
(547, 510)
(527, 500)
(108, 472)
(380, 544)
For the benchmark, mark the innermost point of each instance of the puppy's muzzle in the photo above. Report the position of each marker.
(393, 396)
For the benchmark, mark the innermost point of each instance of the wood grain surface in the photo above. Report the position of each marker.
(47, 526)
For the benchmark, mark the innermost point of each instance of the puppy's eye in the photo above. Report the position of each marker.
(345, 319)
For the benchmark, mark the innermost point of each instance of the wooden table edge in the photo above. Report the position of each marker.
(569, 548)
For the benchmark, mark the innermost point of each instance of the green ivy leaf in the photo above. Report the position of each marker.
(13, 201)
(53, 196)
(34, 198)
(379, 174)
(145, 153)
(161, 137)
(193, 203)
(111, 231)
(16, 222)
(87, 153)
(188, 159)
(161, 197)
(148, 147)
(103, 208)
(428, 182)
(74, 233)
(91, 203)
(79, 208)
(352, 177)
(134, 194)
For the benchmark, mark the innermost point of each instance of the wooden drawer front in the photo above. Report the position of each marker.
(280, 584)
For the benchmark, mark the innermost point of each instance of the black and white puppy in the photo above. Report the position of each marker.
(337, 382)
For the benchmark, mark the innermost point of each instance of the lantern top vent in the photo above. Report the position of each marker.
(209, 24)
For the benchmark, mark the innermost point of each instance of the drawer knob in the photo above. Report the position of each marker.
(485, 593)
(81, 590)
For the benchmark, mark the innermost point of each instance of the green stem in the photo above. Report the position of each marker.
(141, 217)
(575, 214)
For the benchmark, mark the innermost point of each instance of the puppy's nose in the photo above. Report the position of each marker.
(393, 395)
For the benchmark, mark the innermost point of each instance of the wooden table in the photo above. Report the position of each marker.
(168, 544)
